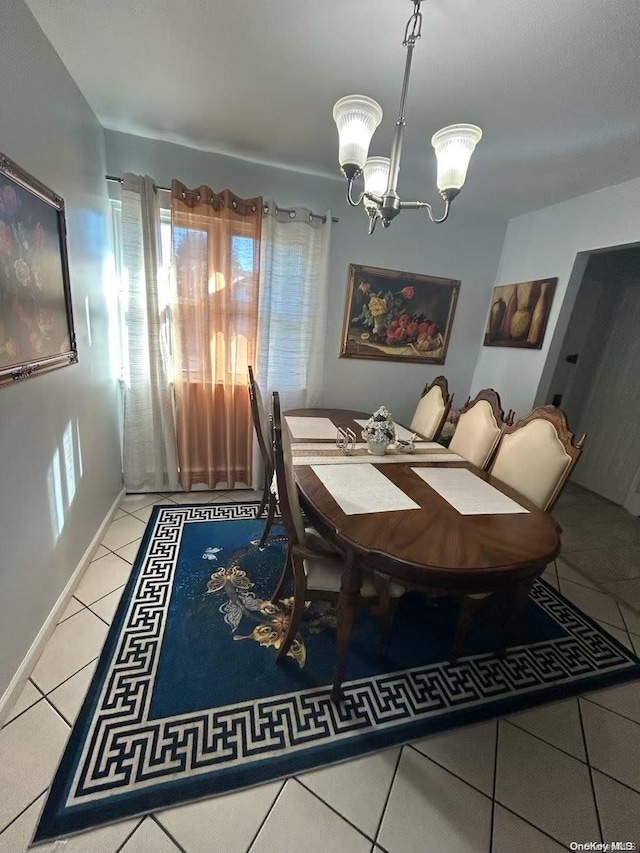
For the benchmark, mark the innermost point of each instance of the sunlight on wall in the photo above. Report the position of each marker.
(54, 490)
(63, 476)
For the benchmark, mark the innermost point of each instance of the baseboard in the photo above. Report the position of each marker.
(17, 683)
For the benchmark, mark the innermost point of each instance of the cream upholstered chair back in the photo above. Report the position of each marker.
(287, 489)
(432, 409)
(479, 428)
(537, 455)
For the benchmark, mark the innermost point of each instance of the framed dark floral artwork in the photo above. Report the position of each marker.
(397, 316)
(519, 314)
(36, 320)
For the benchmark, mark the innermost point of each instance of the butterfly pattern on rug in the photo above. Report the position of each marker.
(270, 631)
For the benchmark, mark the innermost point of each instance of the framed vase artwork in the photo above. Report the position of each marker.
(36, 320)
(397, 316)
(519, 314)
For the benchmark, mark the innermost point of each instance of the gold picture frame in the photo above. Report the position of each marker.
(397, 316)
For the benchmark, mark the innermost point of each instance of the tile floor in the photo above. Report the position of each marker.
(530, 783)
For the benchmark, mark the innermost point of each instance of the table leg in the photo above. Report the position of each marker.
(348, 601)
(517, 600)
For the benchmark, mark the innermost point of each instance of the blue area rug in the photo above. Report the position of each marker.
(187, 700)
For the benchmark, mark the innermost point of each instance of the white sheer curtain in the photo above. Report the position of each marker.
(294, 279)
(149, 444)
(292, 316)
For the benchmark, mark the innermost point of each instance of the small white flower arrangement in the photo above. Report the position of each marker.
(380, 430)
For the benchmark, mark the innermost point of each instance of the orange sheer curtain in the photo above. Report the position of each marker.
(216, 256)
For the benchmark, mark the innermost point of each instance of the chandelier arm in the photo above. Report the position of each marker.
(350, 199)
(424, 205)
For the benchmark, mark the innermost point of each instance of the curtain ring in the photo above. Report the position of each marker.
(198, 197)
(184, 195)
(253, 208)
(311, 219)
(234, 204)
(292, 214)
(265, 209)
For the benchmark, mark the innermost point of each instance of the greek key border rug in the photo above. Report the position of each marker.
(187, 700)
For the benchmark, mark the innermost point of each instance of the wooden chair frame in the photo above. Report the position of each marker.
(297, 551)
(441, 382)
(557, 418)
(268, 501)
(503, 421)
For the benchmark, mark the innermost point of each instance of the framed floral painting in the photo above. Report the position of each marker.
(36, 321)
(397, 316)
(519, 314)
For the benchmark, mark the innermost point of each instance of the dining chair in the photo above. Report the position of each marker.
(432, 409)
(537, 455)
(316, 566)
(480, 425)
(261, 426)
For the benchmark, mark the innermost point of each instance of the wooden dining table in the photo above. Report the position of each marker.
(435, 548)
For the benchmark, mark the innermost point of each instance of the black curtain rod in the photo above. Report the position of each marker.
(114, 179)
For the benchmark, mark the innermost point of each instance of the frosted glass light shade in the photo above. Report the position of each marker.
(356, 117)
(454, 146)
(376, 177)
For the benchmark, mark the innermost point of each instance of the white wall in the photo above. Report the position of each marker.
(554, 241)
(466, 247)
(46, 521)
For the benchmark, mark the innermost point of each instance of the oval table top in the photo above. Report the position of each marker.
(435, 545)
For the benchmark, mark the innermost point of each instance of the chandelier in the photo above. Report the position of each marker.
(357, 117)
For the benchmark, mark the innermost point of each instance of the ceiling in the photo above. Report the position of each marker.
(555, 84)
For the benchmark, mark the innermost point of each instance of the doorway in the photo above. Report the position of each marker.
(596, 380)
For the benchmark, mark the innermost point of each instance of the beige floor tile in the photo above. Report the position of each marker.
(28, 697)
(72, 645)
(511, 834)
(546, 787)
(610, 564)
(69, 697)
(100, 551)
(469, 752)
(557, 724)
(430, 811)
(133, 503)
(566, 572)
(623, 698)
(74, 606)
(596, 604)
(619, 809)
(628, 591)
(613, 743)
(122, 532)
(194, 497)
(299, 822)
(243, 495)
(102, 577)
(106, 840)
(30, 748)
(119, 513)
(106, 607)
(611, 534)
(620, 635)
(631, 618)
(357, 789)
(130, 551)
(236, 818)
(145, 514)
(150, 838)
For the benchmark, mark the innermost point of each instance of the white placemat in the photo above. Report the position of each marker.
(312, 427)
(387, 459)
(467, 493)
(362, 489)
(403, 432)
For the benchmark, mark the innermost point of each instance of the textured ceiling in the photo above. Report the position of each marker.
(555, 84)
